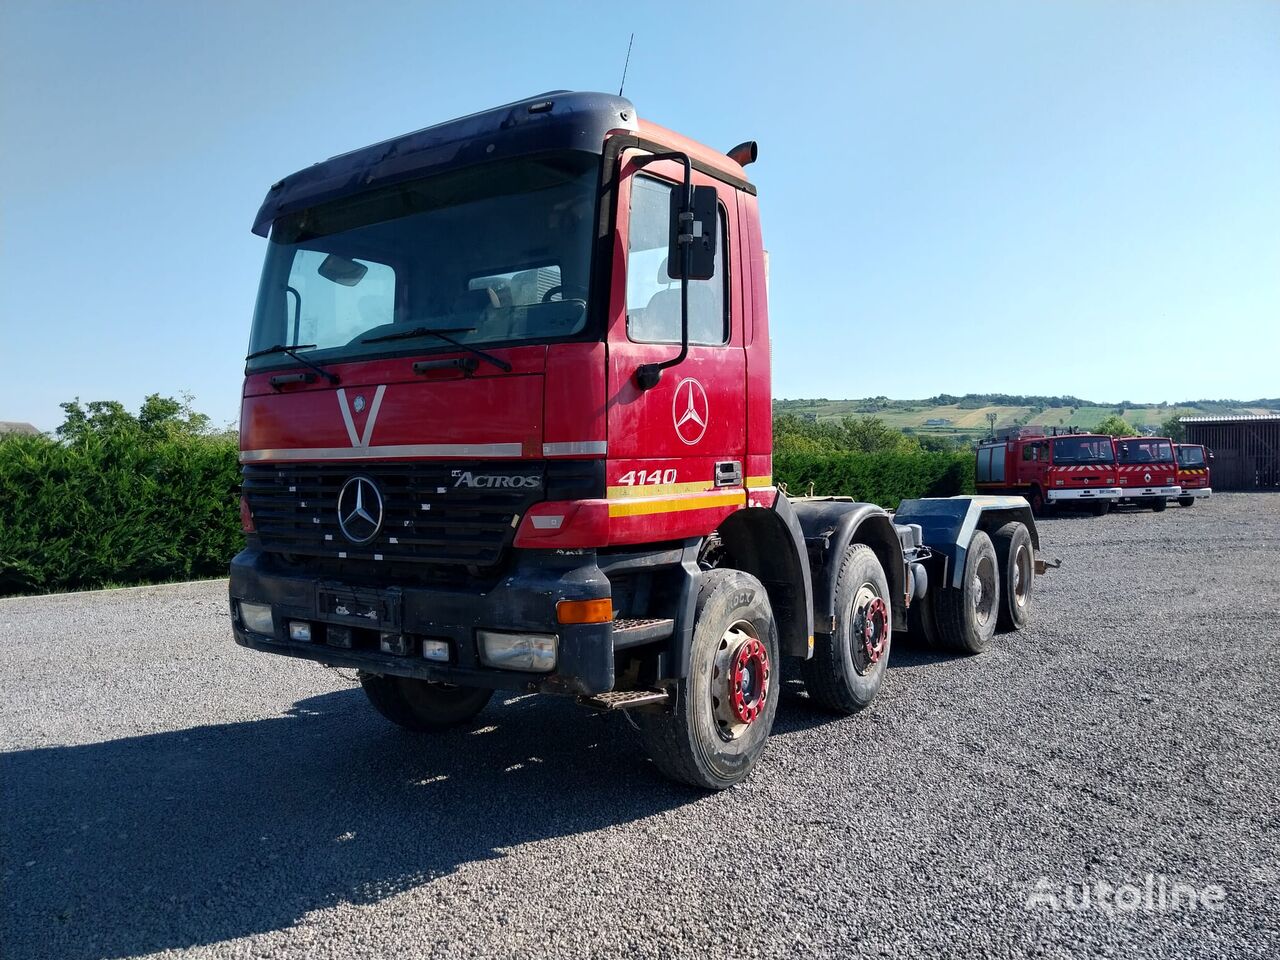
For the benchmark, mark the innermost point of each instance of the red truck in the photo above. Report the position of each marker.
(507, 424)
(1058, 470)
(1193, 472)
(1146, 471)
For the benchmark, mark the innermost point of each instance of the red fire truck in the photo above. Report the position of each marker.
(1146, 471)
(1058, 470)
(1193, 472)
(506, 424)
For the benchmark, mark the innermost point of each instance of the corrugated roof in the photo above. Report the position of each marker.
(1238, 418)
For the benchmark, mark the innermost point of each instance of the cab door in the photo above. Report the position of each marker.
(677, 451)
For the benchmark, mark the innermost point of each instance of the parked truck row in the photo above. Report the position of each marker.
(1092, 471)
(507, 425)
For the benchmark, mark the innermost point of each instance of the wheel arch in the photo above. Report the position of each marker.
(948, 524)
(769, 544)
(830, 526)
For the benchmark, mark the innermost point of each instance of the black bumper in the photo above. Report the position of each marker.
(523, 600)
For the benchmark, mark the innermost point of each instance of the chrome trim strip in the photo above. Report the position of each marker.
(575, 448)
(478, 450)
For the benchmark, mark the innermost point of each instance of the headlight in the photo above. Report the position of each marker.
(518, 651)
(257, 618)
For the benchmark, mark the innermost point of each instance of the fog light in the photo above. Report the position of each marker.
(300, 630)
(517, 651)
(396, 643)
(257, 618)
(436, 650)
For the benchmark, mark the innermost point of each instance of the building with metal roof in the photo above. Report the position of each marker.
(1246, 449)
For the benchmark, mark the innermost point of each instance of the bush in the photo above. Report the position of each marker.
(122, 502)
(883, 478)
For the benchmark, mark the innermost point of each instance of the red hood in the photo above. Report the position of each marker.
(382, 409)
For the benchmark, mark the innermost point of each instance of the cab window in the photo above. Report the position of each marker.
(653, 298)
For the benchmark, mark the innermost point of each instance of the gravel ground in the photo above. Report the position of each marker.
(165, 791)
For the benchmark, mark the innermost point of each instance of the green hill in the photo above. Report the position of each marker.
(947, 415)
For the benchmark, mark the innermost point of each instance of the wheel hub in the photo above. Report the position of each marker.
(873, 627)
(749, 681)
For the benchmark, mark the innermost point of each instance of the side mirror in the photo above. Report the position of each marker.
(695, 227)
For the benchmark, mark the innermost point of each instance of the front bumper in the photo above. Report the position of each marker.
(1149, 493)
(1198, 493)
(522, 601)
(1057, 494)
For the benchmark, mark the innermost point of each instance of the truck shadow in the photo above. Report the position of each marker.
(191, 837)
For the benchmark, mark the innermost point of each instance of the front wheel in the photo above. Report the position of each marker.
(1159, 505)
(720, 716)
(1101, 508)
(967, 614)
(1039, 506)
(423, 705)
(847, 667)
(1186, 501)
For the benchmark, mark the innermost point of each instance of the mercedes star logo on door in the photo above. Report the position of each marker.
(689, 410)
(359, 510)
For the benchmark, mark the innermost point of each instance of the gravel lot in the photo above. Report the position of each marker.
(166, 791)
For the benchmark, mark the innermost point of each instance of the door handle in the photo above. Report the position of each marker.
(729, 473)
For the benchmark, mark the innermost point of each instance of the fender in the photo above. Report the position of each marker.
(830, 526)
(949, 524)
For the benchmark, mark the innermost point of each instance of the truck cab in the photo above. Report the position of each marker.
(1146, 471)
(507, 424)
(1070, 470)
(1193, 473)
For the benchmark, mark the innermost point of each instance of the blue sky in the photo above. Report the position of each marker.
(1049, 197)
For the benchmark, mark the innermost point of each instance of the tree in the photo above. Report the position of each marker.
(1116, 427)
(1172, 428)
(158, 417)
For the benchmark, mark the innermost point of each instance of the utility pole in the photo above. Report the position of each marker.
(991, 421)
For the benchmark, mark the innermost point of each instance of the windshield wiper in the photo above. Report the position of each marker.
(443, 334)
(291, 350)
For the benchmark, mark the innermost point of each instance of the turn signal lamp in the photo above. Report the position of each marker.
(585, 611)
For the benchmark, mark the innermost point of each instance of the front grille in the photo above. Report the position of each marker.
(430, 513)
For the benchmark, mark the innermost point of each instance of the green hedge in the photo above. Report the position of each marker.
(124, 507)
(883, 478)
(115, 509)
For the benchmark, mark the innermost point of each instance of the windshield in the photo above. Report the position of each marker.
(1190, 457)
(1083, 450)
(1144, 451)
(494, 253)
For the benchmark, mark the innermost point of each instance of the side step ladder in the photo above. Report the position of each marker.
(625, 699)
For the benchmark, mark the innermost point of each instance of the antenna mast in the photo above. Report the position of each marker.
(626, 64)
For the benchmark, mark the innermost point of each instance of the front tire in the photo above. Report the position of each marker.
(967, 615)
(1186, 501)
(1159, 505)
(422, 705)
(847, 668)
(1101, 508)
(1016, 557)
(721, 714)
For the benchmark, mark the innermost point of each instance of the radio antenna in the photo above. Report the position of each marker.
(626, 64)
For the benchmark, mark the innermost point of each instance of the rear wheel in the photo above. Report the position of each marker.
(721, 713)
(967, 615)
(422, 705)
(847, 667)
(1186, 501)
(1039, 506)
(1017, 573)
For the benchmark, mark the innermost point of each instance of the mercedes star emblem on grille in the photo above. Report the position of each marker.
(359, 510)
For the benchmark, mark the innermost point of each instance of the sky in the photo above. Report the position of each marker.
(1052, 197)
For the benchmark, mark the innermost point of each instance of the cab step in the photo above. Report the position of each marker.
(632, 632)
(625, 699)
